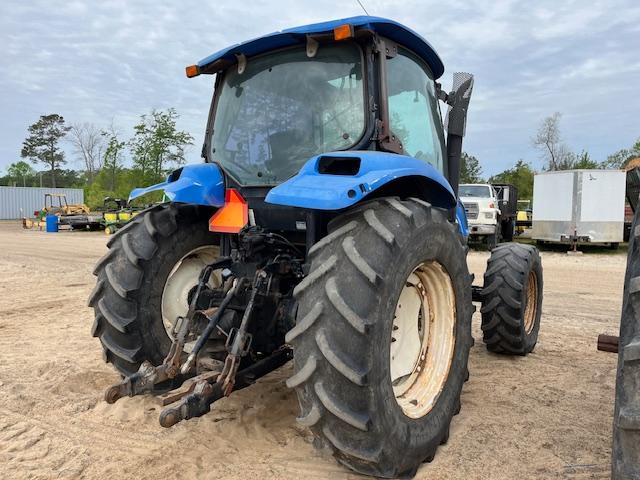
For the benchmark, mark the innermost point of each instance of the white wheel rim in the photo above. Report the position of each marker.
(181, 280)
(422, 339)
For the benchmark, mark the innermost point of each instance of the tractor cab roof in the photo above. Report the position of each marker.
(297, 36)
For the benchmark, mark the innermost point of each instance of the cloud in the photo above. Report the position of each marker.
(116, 60)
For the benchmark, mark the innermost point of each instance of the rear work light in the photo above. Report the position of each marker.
(233, 216)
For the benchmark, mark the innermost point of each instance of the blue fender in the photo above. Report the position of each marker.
(322, 191)
(200, 184)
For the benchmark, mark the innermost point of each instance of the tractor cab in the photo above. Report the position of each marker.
(323, 116)
(356, 84)
(346, 89)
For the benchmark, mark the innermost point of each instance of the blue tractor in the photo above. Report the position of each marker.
(323, 226)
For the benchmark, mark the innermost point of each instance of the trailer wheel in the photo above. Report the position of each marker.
(382, 336)
(144, 281)
(625, 462)
(512, 299)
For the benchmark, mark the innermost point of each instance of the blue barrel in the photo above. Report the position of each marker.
(52, 223)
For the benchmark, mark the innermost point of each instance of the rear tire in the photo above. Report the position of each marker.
(626, 419)
(127, 299)
(347, 319)
(512, 299)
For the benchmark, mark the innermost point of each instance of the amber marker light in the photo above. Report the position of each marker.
(192, 71)
(233, 216)
(342, 32)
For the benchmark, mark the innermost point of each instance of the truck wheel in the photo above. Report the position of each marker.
(382, 336)
(512, 299)
(508, 228)
(626, 419)
(494, 238)
(144, 281)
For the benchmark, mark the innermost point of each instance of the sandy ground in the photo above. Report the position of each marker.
(544, 416)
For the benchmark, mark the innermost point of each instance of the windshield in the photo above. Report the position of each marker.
(285, 108)
(482, 191)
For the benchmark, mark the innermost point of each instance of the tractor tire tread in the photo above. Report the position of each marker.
(123, 276)
(504, 299)
(331, 367)
(625, 461)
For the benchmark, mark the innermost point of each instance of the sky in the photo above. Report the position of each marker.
(111, 61)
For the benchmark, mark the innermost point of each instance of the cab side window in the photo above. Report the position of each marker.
(413, 109)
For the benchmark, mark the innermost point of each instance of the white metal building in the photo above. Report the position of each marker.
(18, 202)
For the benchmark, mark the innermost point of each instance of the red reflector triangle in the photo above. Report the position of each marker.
(233, 216)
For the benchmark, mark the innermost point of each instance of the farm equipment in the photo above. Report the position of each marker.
(56, 204)
(523, 216)
(323, 225)
(117, 213)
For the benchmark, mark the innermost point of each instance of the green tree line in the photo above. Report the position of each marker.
(158, 146)
(155, 147)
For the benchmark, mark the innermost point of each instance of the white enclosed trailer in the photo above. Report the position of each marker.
(579, 206)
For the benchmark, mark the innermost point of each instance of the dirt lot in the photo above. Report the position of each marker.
(544, 416)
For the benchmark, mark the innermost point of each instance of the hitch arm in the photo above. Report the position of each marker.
(239, 340)
(211, 325)
(148, 375)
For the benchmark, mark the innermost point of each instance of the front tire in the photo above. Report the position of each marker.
(348, 319)
(132, 277)
(512, 299)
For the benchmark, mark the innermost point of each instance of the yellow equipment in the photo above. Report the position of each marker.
(523, 216)
(61, 207)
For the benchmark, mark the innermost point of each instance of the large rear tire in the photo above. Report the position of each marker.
(626, 420)
(512, 299)
(382, 336)
(132, 278)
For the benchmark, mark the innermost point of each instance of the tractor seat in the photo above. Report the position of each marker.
(289, 150)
